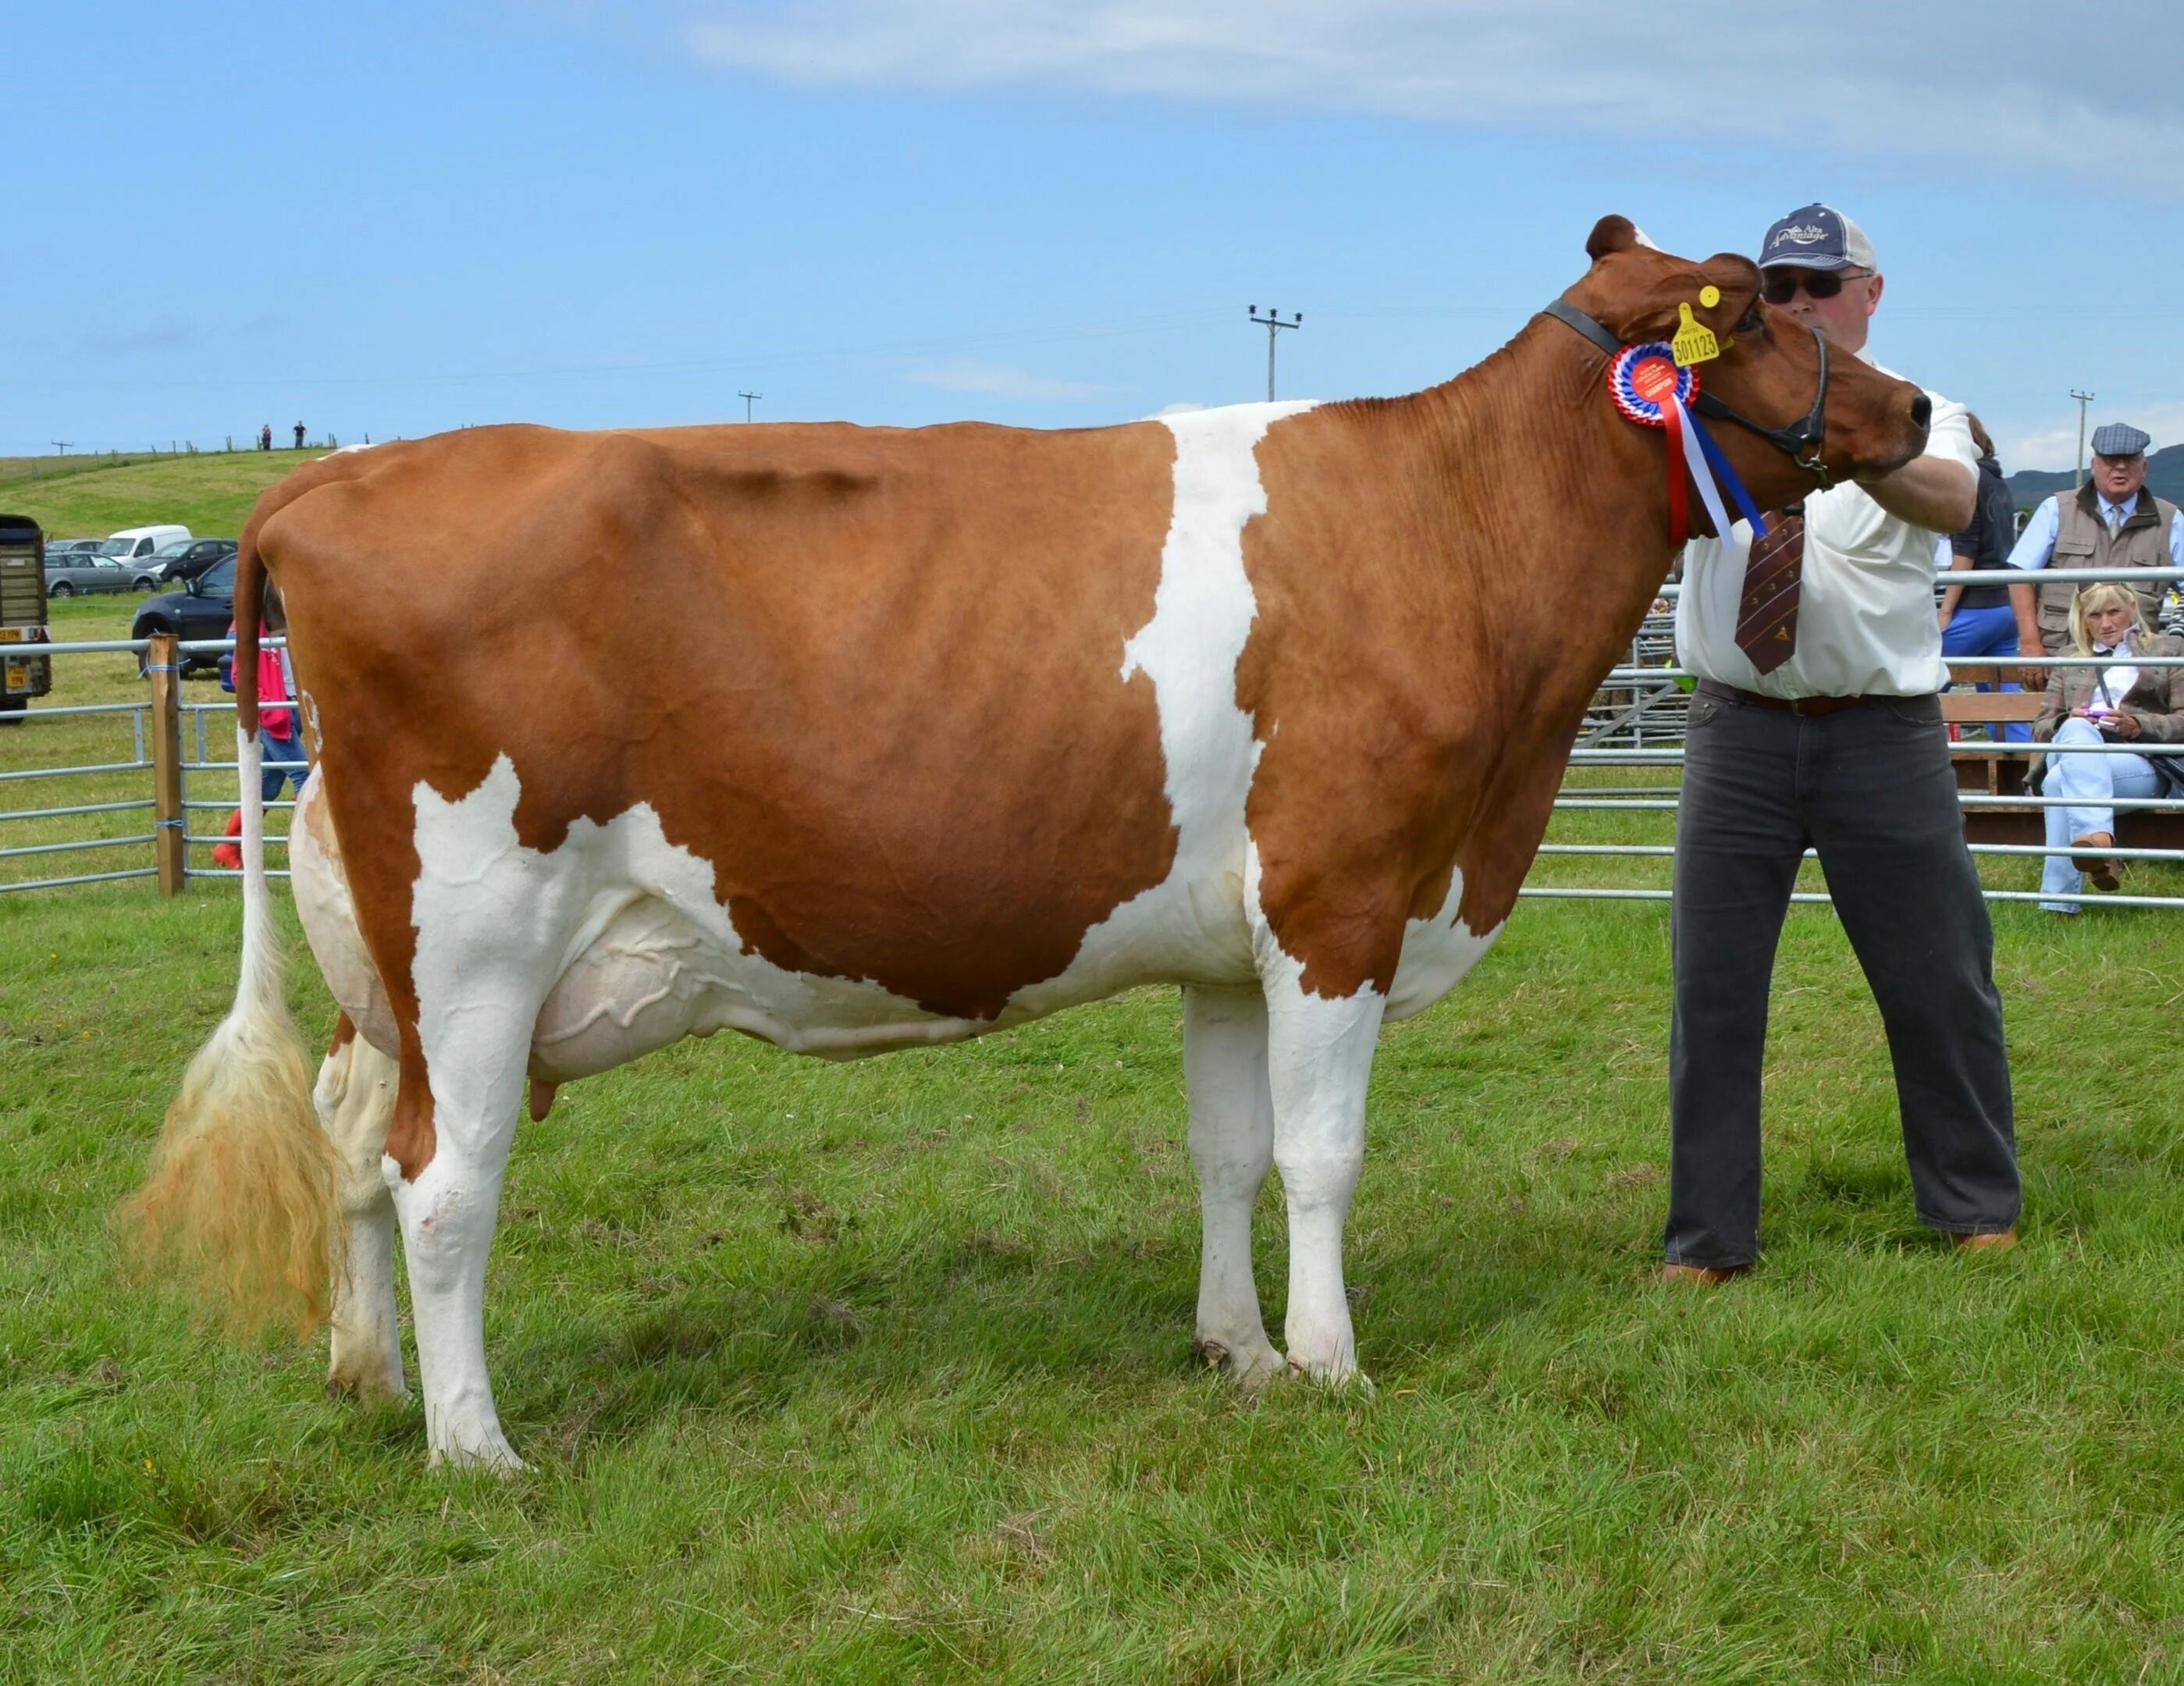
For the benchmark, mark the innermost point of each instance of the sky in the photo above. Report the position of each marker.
(393, 220)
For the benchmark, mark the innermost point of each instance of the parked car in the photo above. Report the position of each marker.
(133, 544)
(81, 573)
(71, 547)
(179, 560)
(202, 608)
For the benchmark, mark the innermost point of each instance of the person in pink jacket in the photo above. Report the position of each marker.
(280, 732)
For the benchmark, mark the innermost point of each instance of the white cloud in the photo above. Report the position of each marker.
(2009, 87)
(1184, 407)
(970, 374)
(2057, 448)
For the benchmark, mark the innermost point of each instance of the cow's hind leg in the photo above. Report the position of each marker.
(1232, 1144)
(446, 1156)
(355, 1099)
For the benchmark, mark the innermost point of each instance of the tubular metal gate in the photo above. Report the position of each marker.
(1637, 722)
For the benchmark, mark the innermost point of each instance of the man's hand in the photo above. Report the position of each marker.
(1928, 492)
(2032, 678)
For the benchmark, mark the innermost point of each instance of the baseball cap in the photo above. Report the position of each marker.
(2120, 439)
(1815, 237)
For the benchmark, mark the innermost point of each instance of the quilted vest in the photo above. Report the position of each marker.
(2082, 540)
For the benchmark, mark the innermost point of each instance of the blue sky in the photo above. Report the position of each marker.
(399, 219)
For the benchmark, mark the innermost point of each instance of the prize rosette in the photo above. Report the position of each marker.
(1643, 378)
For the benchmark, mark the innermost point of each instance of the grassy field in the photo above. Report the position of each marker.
(879, 1372)
(211, 494)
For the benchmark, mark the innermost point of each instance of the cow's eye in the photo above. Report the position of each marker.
(1752, 321)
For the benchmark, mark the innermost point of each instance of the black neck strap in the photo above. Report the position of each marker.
(1800, 442)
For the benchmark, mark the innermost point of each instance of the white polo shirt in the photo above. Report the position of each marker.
(1866, 625)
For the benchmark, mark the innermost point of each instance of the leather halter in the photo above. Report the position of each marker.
(1800, 442)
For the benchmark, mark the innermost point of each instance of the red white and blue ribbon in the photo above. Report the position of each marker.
(1652, 389)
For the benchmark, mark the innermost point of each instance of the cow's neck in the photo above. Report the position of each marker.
(1557, 505)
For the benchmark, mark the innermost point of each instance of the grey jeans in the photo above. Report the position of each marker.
(1871, 789)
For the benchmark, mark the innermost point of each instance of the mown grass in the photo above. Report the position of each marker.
(210, 494)
(879, 1372)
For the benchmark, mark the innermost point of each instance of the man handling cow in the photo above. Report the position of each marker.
(1817, 725)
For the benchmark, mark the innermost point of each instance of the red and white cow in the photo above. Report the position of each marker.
(856, 740)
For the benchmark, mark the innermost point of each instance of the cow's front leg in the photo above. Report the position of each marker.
(355, 1098)
(446, 1156)
(1319, 1057)
(1232, 1144)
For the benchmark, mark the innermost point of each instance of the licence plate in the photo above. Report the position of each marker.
(19, 675)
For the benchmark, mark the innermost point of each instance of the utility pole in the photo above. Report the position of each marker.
(749, 399)
(2083, 399)
(61, 445)
(1272, 323)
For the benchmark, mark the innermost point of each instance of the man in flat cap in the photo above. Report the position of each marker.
(1816, 725)
(2111, 521)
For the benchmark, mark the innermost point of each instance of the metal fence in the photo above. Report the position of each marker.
(170, 741)
(1636, 722)
(1638, 717)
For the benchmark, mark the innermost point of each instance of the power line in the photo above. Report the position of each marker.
(1272, 323)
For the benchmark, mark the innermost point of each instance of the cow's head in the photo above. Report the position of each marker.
(1769, 370)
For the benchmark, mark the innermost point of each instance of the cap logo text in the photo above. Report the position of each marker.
(1805, 233)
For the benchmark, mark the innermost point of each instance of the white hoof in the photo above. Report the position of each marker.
(1250, 1365)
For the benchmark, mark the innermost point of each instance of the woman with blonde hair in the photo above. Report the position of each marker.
(2090, 707)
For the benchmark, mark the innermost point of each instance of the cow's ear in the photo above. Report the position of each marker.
(1611, 234)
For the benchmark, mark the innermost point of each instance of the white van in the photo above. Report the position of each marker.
(131, 543)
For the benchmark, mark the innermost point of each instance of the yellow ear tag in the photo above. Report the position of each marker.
(1694, 342)
(1709, 296)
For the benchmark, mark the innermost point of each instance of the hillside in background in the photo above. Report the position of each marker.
(2164, 473)
(211, 494)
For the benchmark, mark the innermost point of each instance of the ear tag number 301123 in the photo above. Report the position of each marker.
(1694, 342)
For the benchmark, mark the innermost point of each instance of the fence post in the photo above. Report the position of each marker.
(165, 665)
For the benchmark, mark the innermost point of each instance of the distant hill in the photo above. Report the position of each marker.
(2164, 473)
(211, 494)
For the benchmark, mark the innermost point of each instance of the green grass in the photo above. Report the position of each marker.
(211, 494)
(879, 1372)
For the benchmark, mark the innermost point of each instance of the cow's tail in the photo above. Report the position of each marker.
(242, 1204)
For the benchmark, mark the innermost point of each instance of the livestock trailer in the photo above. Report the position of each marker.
(22, 613)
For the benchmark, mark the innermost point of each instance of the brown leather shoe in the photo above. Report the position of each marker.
(1990, 1241)
(2105, 874)
(1702, 1275)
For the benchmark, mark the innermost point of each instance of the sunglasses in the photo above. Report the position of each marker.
(1782, 286)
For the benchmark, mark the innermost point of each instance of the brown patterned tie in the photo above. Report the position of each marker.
(1767, 615)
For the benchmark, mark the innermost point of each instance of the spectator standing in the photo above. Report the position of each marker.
(2111, 521)
(299, 436)
(1817, 724)
(265, 437)
(281, 756)
(1988, 620)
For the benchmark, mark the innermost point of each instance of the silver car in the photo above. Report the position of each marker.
(75, 574)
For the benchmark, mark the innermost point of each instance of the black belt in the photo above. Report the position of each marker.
(1789, 705)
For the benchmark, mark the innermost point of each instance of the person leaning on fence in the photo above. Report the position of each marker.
(2111, 521)
(1817, 724)
(2089, 709)
(281, 735)
(1996, 620)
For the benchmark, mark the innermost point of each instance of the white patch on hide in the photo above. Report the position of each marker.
(1190, 928)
